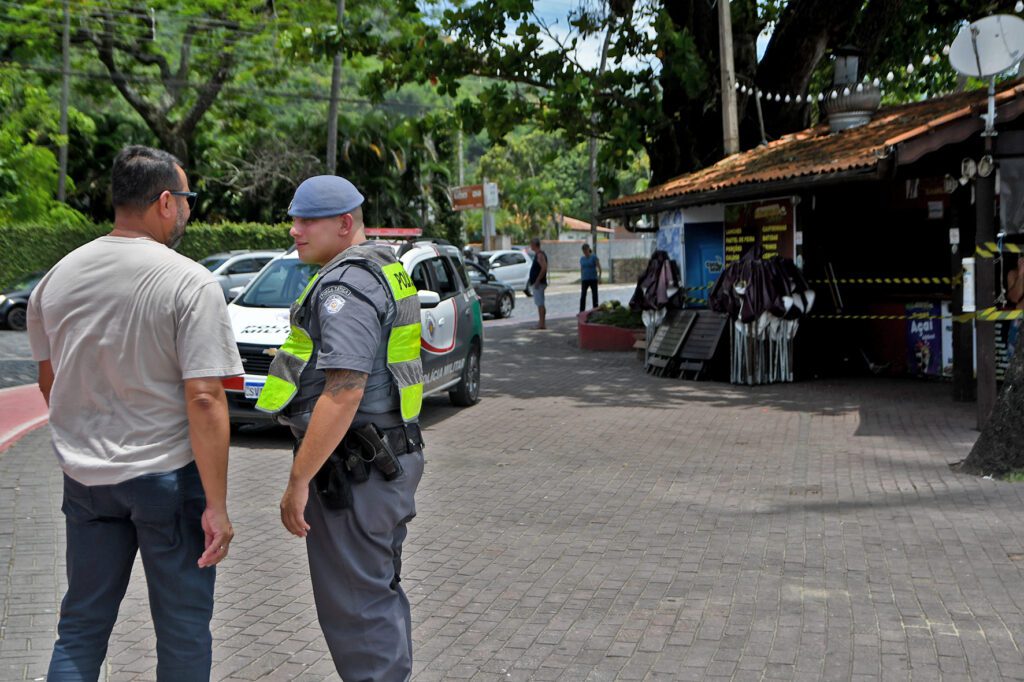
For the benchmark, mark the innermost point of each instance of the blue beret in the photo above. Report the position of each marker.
(323, 196)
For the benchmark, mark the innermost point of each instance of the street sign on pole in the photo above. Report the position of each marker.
(490, 195)
(468, 197)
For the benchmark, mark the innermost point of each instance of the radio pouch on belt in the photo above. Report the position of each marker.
(332, 485)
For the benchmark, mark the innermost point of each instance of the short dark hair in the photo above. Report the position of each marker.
(140, 173)
(535, 241)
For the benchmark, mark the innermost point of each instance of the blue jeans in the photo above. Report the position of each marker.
(158, 515)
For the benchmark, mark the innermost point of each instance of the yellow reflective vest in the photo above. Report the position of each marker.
(403, 351)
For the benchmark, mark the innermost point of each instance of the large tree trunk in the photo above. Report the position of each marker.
(998, 450)
(692, 136)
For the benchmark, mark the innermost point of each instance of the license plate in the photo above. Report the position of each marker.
(253, 389)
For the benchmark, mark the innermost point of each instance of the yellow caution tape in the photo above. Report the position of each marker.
(995, 314)
(914, 316)
(986, 315)
(885, 280)
(991, 249)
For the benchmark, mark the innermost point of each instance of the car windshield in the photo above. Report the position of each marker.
(211, 263)
(278, 285)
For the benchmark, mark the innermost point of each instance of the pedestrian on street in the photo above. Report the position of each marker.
(349, 383)
(590, 274)
(132, 340)
(538, 280)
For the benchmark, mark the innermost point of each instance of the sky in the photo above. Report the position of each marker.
(555, 13)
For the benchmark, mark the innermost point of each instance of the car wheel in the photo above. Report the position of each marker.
(467, 392)
(505, 306)
(16, 319)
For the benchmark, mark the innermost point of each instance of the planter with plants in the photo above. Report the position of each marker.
(609, 327)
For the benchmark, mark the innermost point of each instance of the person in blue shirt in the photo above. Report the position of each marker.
(590, 273)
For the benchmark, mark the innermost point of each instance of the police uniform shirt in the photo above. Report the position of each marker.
(349, 322)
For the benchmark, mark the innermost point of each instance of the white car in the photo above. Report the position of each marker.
(510, 266)
(234, 269)
(451, 338)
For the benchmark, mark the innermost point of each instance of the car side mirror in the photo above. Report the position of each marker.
(428, 299)
(233, 292)
(491, 278)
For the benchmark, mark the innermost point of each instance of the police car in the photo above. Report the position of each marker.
(452, 326)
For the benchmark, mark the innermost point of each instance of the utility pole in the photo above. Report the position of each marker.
(730, 124)
(462, 172)
(332, 115)
(593, 136)
(62, 152)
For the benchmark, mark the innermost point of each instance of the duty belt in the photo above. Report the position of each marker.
(402, 439)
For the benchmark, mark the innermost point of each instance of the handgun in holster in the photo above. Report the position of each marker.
(374, 450)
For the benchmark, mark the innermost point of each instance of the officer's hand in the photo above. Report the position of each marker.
(219, 533)
(293, 504)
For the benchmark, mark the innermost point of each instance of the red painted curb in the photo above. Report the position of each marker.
(22, 410)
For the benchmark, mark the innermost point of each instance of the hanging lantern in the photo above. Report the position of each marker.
(927, 60)
(787, 99)
(889, 76)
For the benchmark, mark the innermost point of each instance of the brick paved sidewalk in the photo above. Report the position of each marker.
(587, 521)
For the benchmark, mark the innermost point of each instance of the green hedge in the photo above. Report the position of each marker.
(28, 248)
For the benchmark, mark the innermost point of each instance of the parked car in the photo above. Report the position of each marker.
(14, 301)
(510, 266)
(496, 298)
(451, 338)
(235, 269)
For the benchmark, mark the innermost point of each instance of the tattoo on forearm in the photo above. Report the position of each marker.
(339, 380)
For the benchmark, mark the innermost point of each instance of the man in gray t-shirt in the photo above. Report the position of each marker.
(132, 340)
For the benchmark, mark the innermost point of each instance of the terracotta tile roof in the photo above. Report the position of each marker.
(576, 225)
(818, 151)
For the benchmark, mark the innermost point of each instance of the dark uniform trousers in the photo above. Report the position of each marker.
(355, 557)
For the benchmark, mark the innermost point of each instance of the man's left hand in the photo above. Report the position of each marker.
(293, 507)
(218, 533)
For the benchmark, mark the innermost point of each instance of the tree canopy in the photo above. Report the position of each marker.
(661, 91)
(239, 91)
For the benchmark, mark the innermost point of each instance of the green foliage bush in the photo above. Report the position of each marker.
(28, 248)
(614, 314)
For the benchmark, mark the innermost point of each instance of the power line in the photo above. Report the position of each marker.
(200, 20)
(283, 94)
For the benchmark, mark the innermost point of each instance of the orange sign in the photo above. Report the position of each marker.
(467, 197)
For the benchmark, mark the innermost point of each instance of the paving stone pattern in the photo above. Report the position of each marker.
(589, 522)
(16, 365)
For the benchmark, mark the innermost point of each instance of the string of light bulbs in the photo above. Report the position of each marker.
(846, 90)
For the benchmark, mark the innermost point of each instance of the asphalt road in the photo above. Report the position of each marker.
(562, 300)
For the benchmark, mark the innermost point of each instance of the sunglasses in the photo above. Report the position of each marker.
(191, 197)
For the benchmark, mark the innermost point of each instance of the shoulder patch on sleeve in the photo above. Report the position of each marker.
(333, 303)
(335, 289)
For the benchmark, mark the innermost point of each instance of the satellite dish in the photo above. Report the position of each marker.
(988, 46)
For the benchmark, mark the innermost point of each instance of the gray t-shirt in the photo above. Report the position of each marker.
(349, 321)
(124, 322)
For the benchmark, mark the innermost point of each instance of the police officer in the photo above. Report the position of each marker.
(349, 383)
